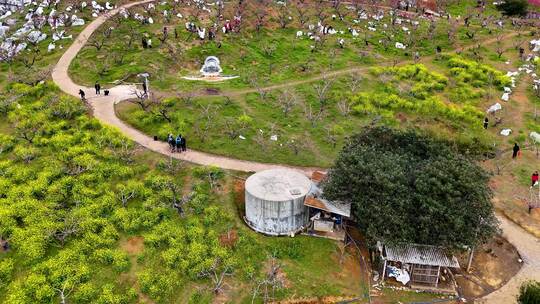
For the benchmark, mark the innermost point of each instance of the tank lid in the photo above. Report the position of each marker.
(278, 185)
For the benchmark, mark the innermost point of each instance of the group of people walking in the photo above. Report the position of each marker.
(177, 144)
(97, 86)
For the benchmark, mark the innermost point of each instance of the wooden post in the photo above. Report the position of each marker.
(384, 271)
(438, 274)
(411, 275)
(471, 255)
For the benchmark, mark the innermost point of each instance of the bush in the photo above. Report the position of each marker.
(529, 293)
(468, 72)
(514, 7)
(6, 271)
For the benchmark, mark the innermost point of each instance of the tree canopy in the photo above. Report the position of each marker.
(408, 187)
(514, 7)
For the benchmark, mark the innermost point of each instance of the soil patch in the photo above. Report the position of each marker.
(323, 300)
(133, 245)
(510, 193)
(494, 264)
(239, 196)
(228, 239)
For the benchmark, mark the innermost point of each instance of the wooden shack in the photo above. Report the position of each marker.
(423, 264)
(326, 218)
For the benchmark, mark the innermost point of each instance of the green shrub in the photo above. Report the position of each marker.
(513, 7)
(6, 271)
(529, 293)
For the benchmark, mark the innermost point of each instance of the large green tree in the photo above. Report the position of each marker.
(514, 7)
(407, 187)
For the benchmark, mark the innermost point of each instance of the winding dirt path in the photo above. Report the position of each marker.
(103, 109)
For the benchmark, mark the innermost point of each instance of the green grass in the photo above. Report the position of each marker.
(106, 225)
(273, 55)
(305, 141)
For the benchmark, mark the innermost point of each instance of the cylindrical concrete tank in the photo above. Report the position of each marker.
(275, 201)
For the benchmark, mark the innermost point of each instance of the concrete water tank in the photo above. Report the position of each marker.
(275, 201)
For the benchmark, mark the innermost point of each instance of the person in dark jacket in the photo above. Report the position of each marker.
(184, 144)
(145, 88)
(515, 150)
(170, 140)
(179, 143)
(97, 86)
(82, 94)
(486, 123)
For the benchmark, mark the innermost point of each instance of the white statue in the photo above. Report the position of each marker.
(211, 67)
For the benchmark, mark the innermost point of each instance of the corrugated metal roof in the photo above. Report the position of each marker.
(316, 199)
(420, 254)
(343, 209)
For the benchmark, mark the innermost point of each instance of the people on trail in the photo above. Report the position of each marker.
(439, 50)
(170, 140)
(82, 94)
(183, 144)
(534, 178)
(515, 150)
(144, 43)
(97, 86)
(178, 143)
(486, 123)
(106, 92)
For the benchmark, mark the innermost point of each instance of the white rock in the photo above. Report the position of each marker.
(494, 108)
(400, 46)
(506, 132)
(535, 136)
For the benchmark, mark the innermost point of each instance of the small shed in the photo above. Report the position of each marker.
(415, 265)
(326, 217)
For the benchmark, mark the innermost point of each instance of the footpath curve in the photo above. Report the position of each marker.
(528, 247)
(103, 109)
